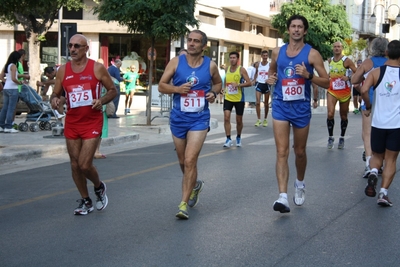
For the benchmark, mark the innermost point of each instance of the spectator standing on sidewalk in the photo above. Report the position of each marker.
(251, 71)
(104, 130)
(114, 71)
(222, 73)
(385, 132)
(356, 93)
(196, 83)
(21, 73)
(292, 71)
(81, 79)
(10, 92)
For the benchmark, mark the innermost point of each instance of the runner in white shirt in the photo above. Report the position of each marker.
(385, 132)
(261, 77)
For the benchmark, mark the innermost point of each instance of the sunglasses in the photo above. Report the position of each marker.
(76, 46)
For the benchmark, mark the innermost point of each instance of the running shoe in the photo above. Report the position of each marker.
(84, 207)
(258, 123)
(370, 189)
(383, 200)
(194, 196)
(238, 141)
(356, 111)
(281, 205)
(299, 195)
(363, 156)
(228, 143)
(341, 143)
(367, 172)
(380, 171)
(183, 211)
(330, 142)
(265, 123)
(102, 199)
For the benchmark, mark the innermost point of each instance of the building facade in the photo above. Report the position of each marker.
(241, 26)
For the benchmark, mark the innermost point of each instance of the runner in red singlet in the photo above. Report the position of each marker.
(82, 79)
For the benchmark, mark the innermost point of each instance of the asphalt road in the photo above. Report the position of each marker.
(233, 224)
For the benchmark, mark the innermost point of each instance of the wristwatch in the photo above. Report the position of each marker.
(215, 94)
(310, 76)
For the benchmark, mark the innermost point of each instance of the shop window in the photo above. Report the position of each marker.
(134, 49)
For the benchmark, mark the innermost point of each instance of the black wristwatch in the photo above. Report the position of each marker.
(215, 94)
(310, 76)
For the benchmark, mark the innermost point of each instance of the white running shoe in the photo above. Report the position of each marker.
(281, 205)
(299, 195)
(102, 199)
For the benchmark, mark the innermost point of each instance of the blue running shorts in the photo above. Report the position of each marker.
(298, 113)
(180, 128)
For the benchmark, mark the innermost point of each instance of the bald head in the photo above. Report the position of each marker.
(79, 38)
(337, 48)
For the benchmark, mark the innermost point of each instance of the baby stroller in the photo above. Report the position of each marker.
(40, 113)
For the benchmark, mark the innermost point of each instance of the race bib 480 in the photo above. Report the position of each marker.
(293, 89)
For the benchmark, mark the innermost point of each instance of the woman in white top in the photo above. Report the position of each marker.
(10, 93)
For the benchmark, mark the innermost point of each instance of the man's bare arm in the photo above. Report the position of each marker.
(315, 59)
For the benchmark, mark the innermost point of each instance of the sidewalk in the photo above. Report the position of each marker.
(129, 129)
(124, 133)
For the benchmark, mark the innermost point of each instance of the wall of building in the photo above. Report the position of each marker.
(247, 12)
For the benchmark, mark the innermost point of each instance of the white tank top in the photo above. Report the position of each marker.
(262, 72)
(386, 106)
(10, 84)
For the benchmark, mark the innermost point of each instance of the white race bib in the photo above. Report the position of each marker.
(232, 90)
(263, 76)
(80, 95)
(293, 89)
(193, 101)
(338, 84)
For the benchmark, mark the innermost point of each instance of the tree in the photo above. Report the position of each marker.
(327, 23)
(161, 19)
(36, 17)
(355, 48)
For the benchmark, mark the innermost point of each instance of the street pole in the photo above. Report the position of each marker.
(60, 14)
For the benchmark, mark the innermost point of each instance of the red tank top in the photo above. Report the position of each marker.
(80, 90)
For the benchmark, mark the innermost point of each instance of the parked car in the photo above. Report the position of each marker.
(21, 106)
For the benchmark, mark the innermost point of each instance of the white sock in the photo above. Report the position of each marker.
(299, 184)
(384, 191)
(375, 170)
(367, 159)
(284, 195)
